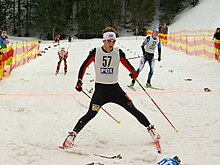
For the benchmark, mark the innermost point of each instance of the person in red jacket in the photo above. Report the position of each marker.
(107, 89)
(57, 38)
(63, 54)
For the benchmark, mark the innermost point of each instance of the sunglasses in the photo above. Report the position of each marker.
(113, 41)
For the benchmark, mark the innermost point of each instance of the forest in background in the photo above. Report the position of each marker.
(86, 18)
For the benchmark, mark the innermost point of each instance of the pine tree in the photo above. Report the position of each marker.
(50, 14)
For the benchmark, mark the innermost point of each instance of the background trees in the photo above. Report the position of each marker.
(85, 18)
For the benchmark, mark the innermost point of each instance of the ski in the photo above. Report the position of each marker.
(157, 143)
(81, 151)
(76, 150)
(132, 87)
(63, 73)
(152, 87)
(109, 157)
(95, 163)
(61, 147)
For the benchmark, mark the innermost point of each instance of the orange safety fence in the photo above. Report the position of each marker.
(15, 56)
(200, 45)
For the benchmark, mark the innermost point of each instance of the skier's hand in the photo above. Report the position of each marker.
(79, 86)
(133, 75)
(159, 58)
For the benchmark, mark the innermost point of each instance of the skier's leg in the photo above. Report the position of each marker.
(94, 107)
(151, 63)
(96, 102)
(123, 100)
(141, 66)
(58, 66)
(65, 65)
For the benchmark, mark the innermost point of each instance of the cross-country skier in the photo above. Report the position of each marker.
(148, 47)
(63, 54)
(170, 161)
(106, 64)
(57, 38)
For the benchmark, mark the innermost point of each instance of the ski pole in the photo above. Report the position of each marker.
(156, 105)
(118, 121)
(133, 58)
(69, 45)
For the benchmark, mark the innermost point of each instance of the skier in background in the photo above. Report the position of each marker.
(62, 57)
(170, 161)
(57, 38)
(148, 47)
(106, 64)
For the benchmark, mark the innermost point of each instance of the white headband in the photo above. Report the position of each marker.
(109, 36)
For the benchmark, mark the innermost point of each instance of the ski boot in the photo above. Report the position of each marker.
(132, 83)
(57, 71)
(69, 141)
(148, 84)
(153, 133)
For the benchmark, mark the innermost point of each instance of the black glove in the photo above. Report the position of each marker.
(79, 86)
(159, 58)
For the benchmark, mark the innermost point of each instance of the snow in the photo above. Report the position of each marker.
(203, 16)
(38, 109)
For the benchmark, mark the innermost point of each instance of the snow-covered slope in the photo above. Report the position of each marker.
(203, 16)
(37, 109)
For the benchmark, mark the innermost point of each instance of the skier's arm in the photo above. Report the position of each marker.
(86, 63)
(127, 65)
(82, 70)
(66, 54)
(145, 43)
(159, 50)
(60, 57)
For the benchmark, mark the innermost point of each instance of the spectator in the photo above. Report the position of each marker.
(217, 34)
(3, 39)
(216, 38)
(161, 28)
(165, 29)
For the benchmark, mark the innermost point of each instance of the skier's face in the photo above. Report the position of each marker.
(109, 44)
(155, 34)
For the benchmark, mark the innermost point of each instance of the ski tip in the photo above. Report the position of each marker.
(61, 147)
(177, 131)
(119, 122)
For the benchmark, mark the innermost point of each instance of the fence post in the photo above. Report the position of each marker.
(186, 44)
(194, 45)
(204, 45)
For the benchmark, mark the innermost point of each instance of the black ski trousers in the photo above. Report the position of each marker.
(105, 93)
